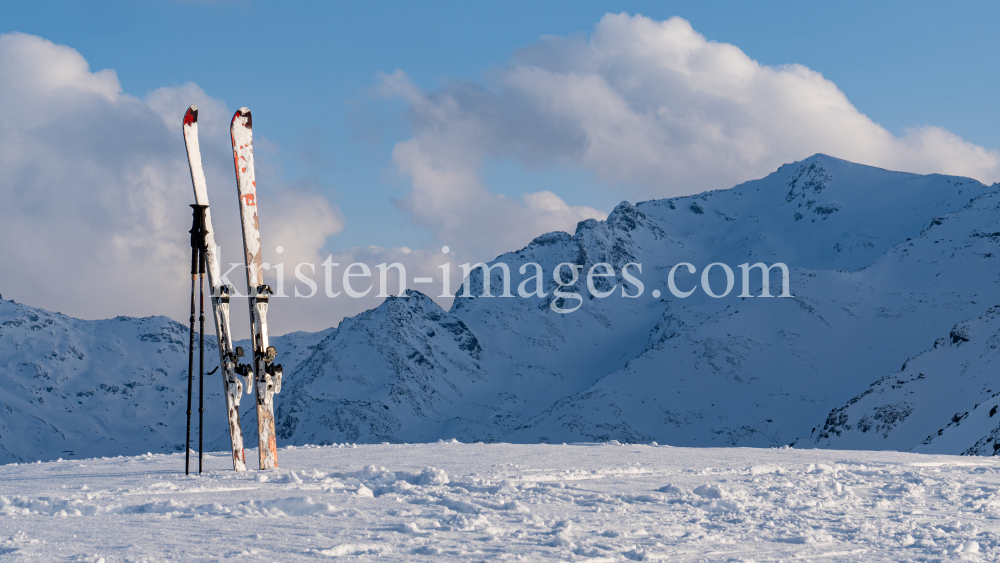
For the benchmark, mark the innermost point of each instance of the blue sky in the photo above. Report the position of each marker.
(383, 116)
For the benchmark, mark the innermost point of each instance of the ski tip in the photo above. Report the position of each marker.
(244, 112)
(191, 115)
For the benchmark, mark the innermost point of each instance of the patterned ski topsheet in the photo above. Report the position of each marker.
(242, 135)
(220, 313)
(201, 192)
(241, 130)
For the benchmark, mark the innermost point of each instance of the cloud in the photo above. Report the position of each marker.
(95, 189)
(652, 109)
(444, 160)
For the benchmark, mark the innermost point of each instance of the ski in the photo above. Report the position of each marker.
(228, 357)
(266, 372)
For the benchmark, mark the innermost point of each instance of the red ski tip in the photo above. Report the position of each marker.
(191, 116)
(244, 112)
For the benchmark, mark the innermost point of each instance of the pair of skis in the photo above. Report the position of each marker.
(262, 369)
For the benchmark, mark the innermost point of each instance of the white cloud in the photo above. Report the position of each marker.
(653, 109)
(443, 162)
(95, 189)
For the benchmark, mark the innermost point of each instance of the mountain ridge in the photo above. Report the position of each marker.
(878, 262)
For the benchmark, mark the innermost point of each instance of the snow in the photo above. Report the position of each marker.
(458, 502)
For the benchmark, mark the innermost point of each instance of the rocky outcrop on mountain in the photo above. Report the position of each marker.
(941, 401)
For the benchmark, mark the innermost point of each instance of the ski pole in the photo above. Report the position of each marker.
(201, 352)
(194, 278)
(198, 244)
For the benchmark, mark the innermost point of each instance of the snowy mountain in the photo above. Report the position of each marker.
(75, 389)
(755, 372)
(882, 265)
(698, 371)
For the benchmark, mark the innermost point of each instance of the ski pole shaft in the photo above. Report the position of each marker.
(201, 358)
(187, 444)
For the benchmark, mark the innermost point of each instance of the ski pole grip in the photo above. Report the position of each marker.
(199, 229)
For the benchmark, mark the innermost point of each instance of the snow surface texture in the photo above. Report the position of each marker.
(472, 502)
(888, 269)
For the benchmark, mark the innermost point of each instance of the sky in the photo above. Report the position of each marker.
(386, 130)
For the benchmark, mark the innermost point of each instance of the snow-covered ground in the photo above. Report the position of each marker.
(470, 502)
